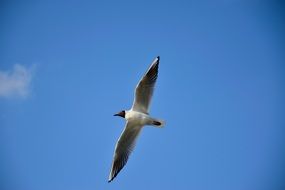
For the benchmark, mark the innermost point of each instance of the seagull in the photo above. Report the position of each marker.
(136, 118)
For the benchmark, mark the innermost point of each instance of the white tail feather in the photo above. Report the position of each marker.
(158, 123)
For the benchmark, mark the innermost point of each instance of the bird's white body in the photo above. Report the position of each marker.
(140, 119)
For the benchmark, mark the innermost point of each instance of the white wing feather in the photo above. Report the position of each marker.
(124, 148)
(145, 87)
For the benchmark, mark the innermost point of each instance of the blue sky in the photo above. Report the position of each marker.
(66, 68)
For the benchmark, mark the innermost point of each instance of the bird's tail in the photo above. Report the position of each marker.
(158, 123)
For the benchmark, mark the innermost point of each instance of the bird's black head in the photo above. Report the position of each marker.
(121, 114)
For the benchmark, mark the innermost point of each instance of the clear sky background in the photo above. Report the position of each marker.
(66, 68)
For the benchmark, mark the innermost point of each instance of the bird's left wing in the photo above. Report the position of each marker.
(145, 87)
(123, 149)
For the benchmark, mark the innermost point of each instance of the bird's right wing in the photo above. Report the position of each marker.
(123, 149)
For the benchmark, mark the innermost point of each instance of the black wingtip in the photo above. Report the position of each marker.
(109, 180)
(158, 58)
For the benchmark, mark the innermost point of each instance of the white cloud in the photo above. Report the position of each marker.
(16, 83)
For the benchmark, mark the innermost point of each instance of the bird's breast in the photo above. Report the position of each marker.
(137, 118)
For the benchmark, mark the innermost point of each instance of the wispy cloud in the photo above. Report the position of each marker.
(16, 82)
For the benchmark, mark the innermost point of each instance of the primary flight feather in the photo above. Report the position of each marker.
(136, 118)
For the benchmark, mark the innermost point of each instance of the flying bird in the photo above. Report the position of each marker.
(137, 117)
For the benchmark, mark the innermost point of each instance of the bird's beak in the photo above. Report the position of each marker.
(121, 114)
